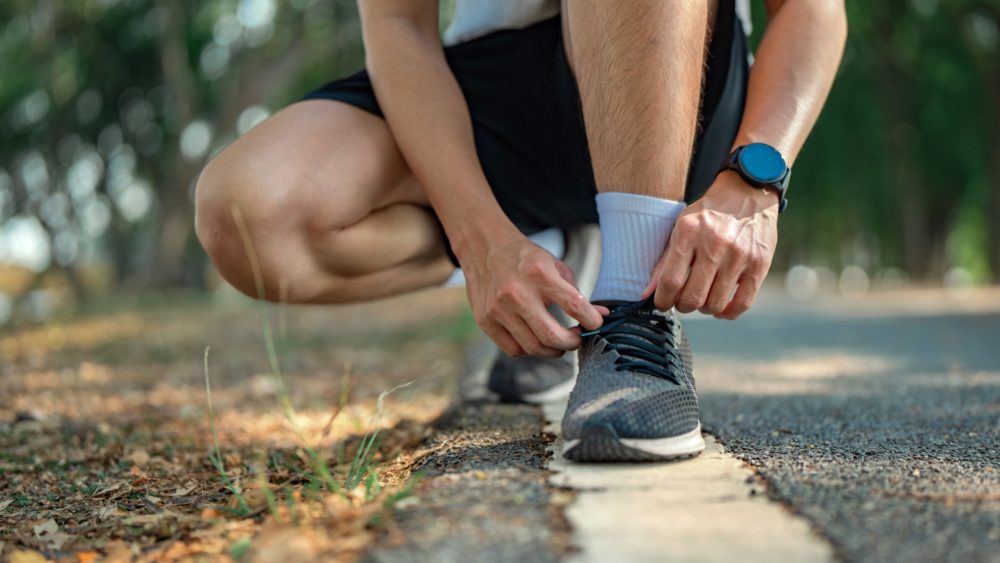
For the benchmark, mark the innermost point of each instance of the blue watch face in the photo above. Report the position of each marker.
(762, 163)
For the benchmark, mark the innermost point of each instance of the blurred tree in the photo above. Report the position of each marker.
(112, 107)
(896, 172)
(978, 22)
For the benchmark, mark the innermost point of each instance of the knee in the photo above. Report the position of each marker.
(262, 235)
(239, 220)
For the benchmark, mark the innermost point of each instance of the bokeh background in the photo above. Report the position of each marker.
(109, 109)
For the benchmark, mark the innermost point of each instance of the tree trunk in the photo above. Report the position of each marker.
(988, 68)
(906, 183)
(172, 258)
(993, 220)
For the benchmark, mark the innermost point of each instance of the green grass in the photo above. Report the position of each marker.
(318, 475)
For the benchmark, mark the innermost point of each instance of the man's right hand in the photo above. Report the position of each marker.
(510, 284)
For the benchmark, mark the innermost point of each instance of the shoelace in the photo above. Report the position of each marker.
(638, 334)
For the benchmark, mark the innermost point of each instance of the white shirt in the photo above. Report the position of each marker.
(475, 18)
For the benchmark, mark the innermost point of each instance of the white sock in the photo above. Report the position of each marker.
(552, 240)
(634, 233)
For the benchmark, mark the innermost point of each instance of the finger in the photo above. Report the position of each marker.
(697, 286)
(723, 288)
(503, 339)
(745, 294)
(565, 272)
(547, 330)
(673, 274)
(573, 303)
(657, 272)
(527, 339)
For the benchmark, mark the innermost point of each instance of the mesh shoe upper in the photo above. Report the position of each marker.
(512, 379)
(635, 375)
(517, 379)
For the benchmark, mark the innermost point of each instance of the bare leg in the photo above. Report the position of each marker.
(639, 67)
(332, 211)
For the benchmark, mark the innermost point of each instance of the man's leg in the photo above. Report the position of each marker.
(330, 207)
(639, 71)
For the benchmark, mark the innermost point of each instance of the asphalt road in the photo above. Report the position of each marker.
(877, 419)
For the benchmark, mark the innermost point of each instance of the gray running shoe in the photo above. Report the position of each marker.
(634, 399)
(541, 380)
(532, 380)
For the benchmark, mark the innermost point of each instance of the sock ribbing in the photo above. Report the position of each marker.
(634, 233)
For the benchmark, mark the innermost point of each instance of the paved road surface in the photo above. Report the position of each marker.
(876, 419)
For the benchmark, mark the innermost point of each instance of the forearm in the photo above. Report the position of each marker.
(430, 122)
(792, 75)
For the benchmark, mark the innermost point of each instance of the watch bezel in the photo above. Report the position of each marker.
(750, 174)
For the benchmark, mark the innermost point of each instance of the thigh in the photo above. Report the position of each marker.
(322, 164)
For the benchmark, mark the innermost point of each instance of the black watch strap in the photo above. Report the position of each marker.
(780, 185)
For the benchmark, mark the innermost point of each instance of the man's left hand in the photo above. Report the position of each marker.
(720, 250)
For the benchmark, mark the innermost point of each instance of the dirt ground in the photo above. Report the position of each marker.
(106, 447)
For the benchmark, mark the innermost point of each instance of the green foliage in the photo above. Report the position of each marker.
(239, 549)
(96, 98)
(900, 158)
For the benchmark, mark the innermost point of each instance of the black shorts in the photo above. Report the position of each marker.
(528, 124)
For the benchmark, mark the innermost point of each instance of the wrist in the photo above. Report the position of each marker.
(470, 238)
(731, 193)
(761, 167)
(765, 196)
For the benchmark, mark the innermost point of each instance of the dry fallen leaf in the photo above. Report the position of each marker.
(183, 490)
(26, 556)
(50, 533)
(5, 503)
(117, 551)
(145, 518)
(254, 497)
(109, 488)
(106, 512)
(139, 457)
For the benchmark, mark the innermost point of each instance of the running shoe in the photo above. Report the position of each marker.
(541, 380)
(634, 398)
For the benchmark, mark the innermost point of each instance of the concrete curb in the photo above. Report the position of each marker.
(709, 508)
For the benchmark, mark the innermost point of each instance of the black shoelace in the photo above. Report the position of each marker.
(643, 339)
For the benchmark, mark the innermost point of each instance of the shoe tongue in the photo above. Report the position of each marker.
(645, 305)
(642, 304)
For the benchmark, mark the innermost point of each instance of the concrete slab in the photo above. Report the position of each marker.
(710, 508)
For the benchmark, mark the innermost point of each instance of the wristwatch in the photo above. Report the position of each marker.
(761, 166)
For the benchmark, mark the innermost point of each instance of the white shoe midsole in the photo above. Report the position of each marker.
(687, 443)
(552, 394)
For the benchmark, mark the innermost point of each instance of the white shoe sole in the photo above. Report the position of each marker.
(603, 444)
(552, 394)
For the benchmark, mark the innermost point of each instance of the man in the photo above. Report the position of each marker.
(384, 182)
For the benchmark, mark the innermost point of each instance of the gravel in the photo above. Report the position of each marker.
(483, 495)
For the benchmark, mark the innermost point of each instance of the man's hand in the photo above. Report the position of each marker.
(510, 283)
(726, 240)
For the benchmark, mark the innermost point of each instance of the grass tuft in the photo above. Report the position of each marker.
(215, 457)
(362, 471)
